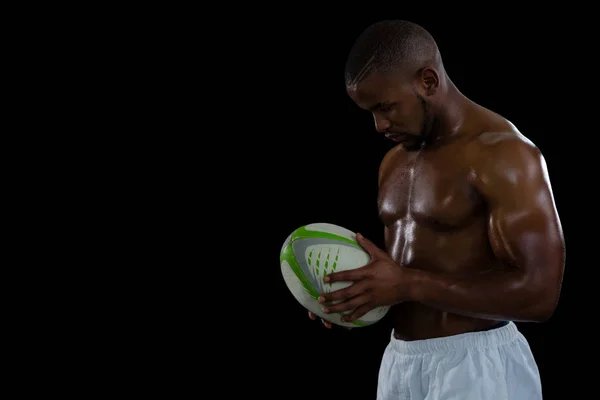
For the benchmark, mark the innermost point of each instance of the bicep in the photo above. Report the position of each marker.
(526, 234)
(524, 227)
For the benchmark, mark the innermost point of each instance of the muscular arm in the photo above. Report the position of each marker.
(525, 233)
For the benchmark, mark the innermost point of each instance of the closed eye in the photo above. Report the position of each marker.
(386, 107)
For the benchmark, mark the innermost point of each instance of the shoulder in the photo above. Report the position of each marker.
(505, 155)
(503, 144)
(388, 158)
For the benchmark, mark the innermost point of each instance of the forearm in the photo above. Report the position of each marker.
(492, 294)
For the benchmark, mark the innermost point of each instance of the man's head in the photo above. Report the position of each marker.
(395, 71)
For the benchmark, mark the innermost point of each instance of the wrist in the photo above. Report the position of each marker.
(413, 285)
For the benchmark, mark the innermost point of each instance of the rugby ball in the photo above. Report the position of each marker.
(315, 250)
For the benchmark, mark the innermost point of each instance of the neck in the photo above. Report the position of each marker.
(450, 114)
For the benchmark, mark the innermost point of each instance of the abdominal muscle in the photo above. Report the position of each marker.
(414, 321)
(461, 252)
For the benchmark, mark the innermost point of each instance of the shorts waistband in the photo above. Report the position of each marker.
(483, 339)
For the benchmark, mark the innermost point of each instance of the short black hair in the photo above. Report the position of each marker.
(390, 44)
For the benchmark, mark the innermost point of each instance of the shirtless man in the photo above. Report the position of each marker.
(473, 238)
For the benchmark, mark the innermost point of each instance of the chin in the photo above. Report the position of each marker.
(411, 146)
(413, 143)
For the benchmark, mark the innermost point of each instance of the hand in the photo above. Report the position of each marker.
(327, 324)
(382, 282)
(313, 317)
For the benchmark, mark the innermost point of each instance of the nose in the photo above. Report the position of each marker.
(381, 124)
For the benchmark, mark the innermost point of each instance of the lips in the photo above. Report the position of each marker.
(396, 137)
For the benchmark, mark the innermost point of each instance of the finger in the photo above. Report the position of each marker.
(348, 305)
(312, 316)
(352, 275)
(326, 323)
(359, 312)
(374, 251)
(343, 294)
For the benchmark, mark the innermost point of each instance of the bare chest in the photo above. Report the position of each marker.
(431, 189)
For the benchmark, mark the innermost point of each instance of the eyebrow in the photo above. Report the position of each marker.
(379, 105)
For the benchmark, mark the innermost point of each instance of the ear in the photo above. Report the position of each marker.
(429, 80)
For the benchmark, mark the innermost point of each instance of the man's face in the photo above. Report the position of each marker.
(400, 113)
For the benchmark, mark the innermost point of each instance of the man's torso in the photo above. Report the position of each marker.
(435, 221)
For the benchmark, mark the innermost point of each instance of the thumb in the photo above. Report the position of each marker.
(374, 251)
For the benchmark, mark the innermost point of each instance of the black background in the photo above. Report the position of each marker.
(184, 212)
(314, 157)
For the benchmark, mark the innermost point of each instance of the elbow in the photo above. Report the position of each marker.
(542, 307)
(544, 314)
(540, 294)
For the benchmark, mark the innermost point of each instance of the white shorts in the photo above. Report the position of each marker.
(495, 364)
